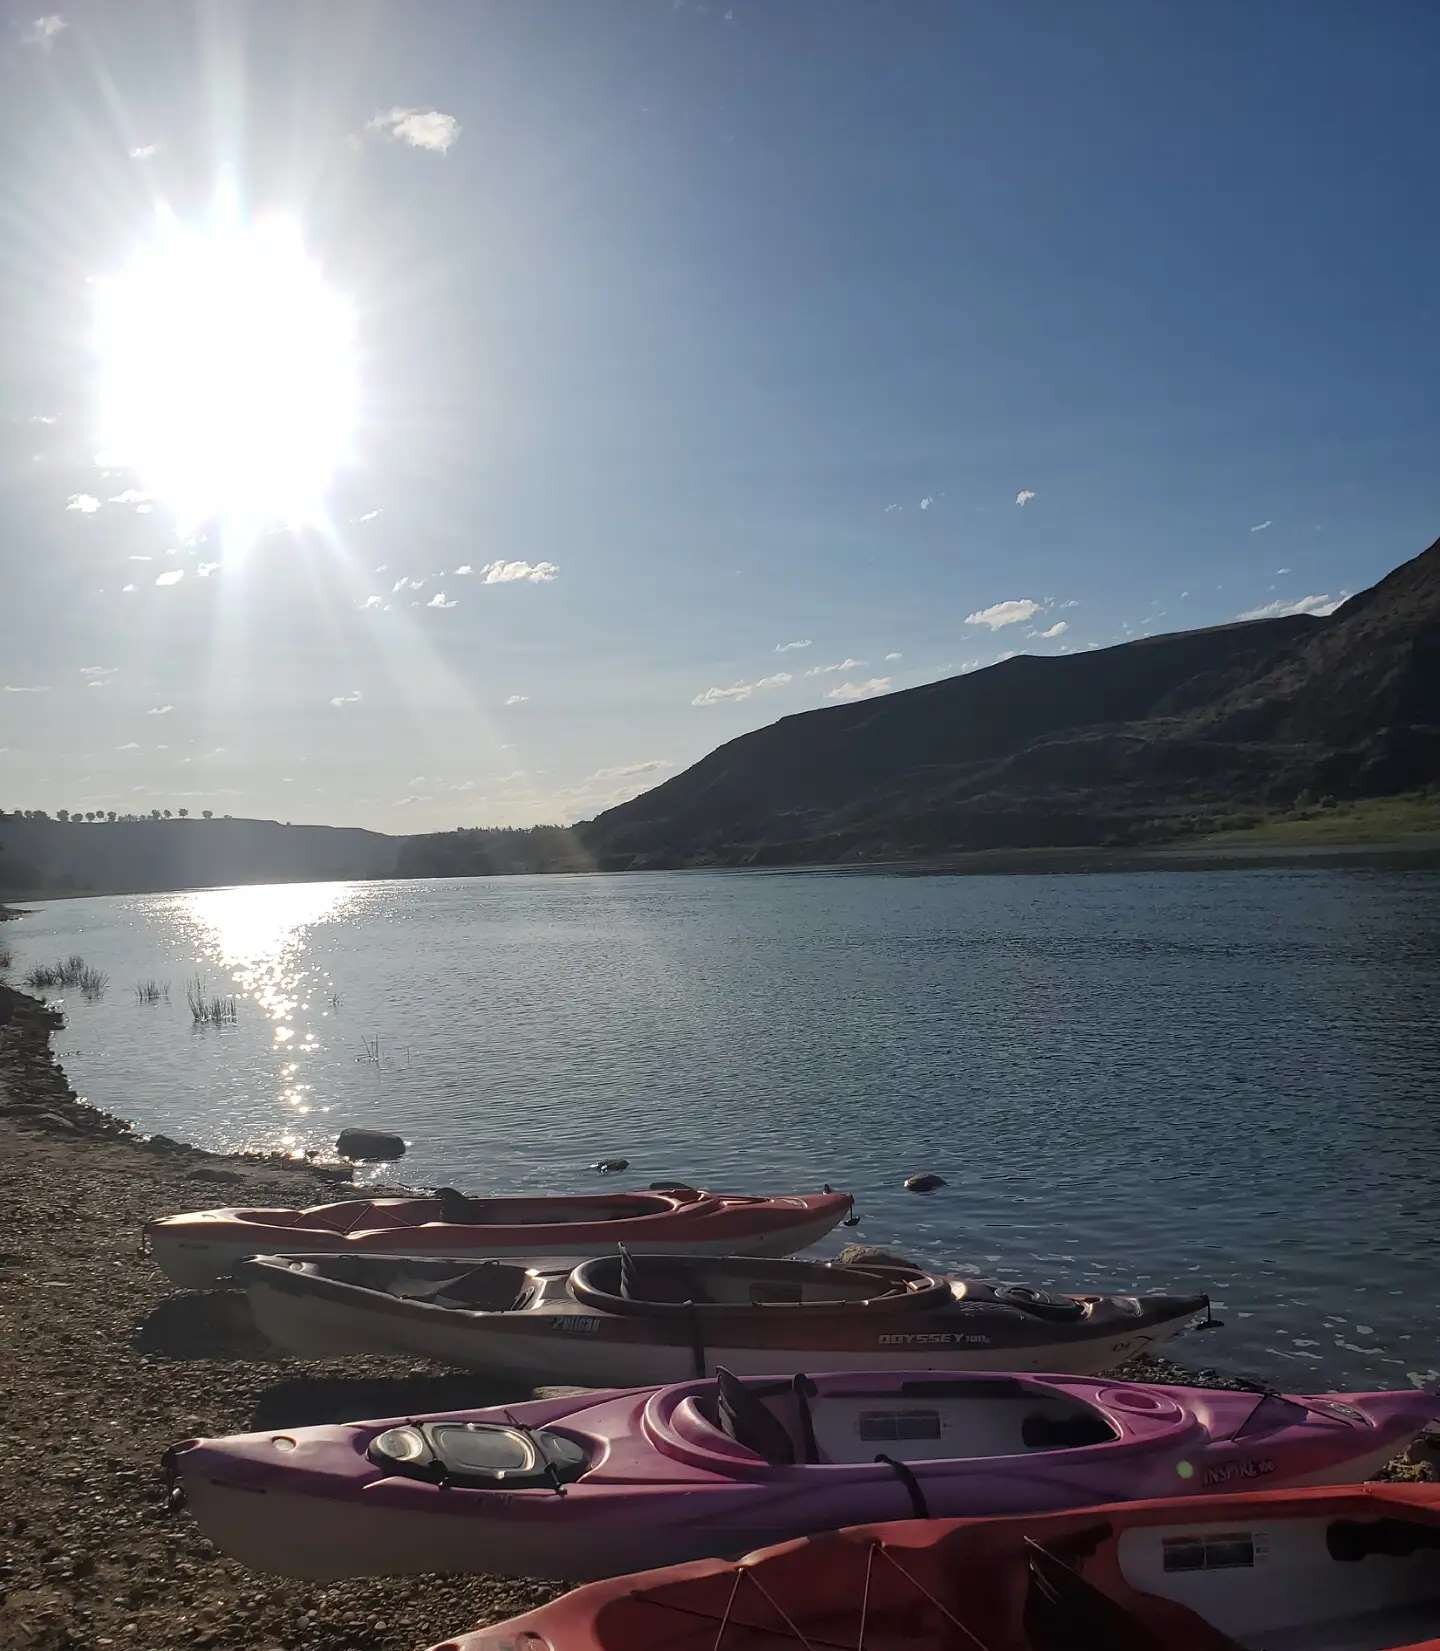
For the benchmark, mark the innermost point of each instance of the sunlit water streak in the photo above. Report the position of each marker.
(1219, 1080)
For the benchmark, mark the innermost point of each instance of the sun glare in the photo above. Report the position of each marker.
(228, 375)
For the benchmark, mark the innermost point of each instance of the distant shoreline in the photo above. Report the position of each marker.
(1418, 853)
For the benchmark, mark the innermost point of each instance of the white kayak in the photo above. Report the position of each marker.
(622, 1320)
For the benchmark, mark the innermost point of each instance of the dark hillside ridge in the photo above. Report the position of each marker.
(1135, 743)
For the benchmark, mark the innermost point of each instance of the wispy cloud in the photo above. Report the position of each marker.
(370, 602)
(1320, 606)
(1260, 527)
(439, 600)
(159, 710)
(406, 584)
(43, 31)
(173, 577)
(129, 745)
(839, 665)
(889, 657)
(860, 690)
(743, 690)
(517, 699)
(630, 769)
(352, 698)
(793, 647)
(420, 128)
(463, 570)
(205, 569)
(131, 495)
(507, 573)
(1014, 612)
(927, 501)
(1280, 571)
(16, 688)
(144, 151)
(1059, 628)
(86, 503)
(1024, 496)
(98, 670)
(1072, 603)
(369, 516)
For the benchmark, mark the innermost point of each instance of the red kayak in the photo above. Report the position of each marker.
(197, 1249)
(1335, 1568)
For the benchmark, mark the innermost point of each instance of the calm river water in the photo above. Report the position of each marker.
(1222, 1080)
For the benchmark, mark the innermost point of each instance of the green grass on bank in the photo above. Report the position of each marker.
(1372, 820)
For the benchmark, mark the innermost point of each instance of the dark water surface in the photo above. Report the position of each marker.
(1220, 1080)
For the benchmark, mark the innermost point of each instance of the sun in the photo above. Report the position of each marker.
(228, 375)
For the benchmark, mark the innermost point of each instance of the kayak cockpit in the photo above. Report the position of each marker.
(628, 1284)
(486, 1286)
(803, 1421)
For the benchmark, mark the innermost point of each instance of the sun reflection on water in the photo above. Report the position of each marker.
(259, 937)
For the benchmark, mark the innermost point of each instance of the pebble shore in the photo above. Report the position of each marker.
(106, 1364)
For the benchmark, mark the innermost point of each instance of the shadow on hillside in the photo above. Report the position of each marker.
(213, 1324)
(308, 1402)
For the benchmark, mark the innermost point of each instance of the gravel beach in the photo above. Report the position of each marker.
(105, 1364)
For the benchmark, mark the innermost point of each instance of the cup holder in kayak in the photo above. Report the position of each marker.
(1140, 1401)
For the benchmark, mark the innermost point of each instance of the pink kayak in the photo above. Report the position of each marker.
(597, 1484)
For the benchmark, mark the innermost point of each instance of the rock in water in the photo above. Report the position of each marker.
(611, 1166)
(369, 1143)
(923, 1183)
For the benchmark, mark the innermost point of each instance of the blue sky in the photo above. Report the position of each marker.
(705, 329)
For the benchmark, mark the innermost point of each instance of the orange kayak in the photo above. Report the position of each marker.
(196, 1249)
(1334, 1568)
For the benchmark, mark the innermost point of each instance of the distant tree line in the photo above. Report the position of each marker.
(101, 816)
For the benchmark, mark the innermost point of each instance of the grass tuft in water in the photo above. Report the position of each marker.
(208, 1008)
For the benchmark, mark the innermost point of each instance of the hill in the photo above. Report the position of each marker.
(1142, 742)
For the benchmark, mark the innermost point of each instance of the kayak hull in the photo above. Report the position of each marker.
(200, 1249)
(663, 1483)
(567, 1332)
(1274, 1567)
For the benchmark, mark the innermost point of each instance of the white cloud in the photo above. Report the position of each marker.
(370, 602)
(159, 710)
(12, 688)
(438, 601)
(839, 665)
(402, 583)
(98, 682)
(890, 509)
(889, 657)
(1072, 603)
(352, 698)
(793, 647)
(1320, 606)
(463, 570)
(1260, 527)
(1013, 612)
(860, 690)
(131, 495)
(1024, 496)
(927, 501)
(1279, 571)
(507, 573)
(743, 690)
(628, 770)
(173, 577)
(205, 569)
(405, 802)
(369, 516)
(420, 128)
(98, 670)
(1059, 628)
(517, 699)
(44, 31)
(129, 745)
(126, 589)
(86, 503)
(1000, 659)
(144, 151)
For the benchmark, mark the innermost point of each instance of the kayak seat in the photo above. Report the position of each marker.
(1063, 1432)
(750, 1422)
(644, 1278)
